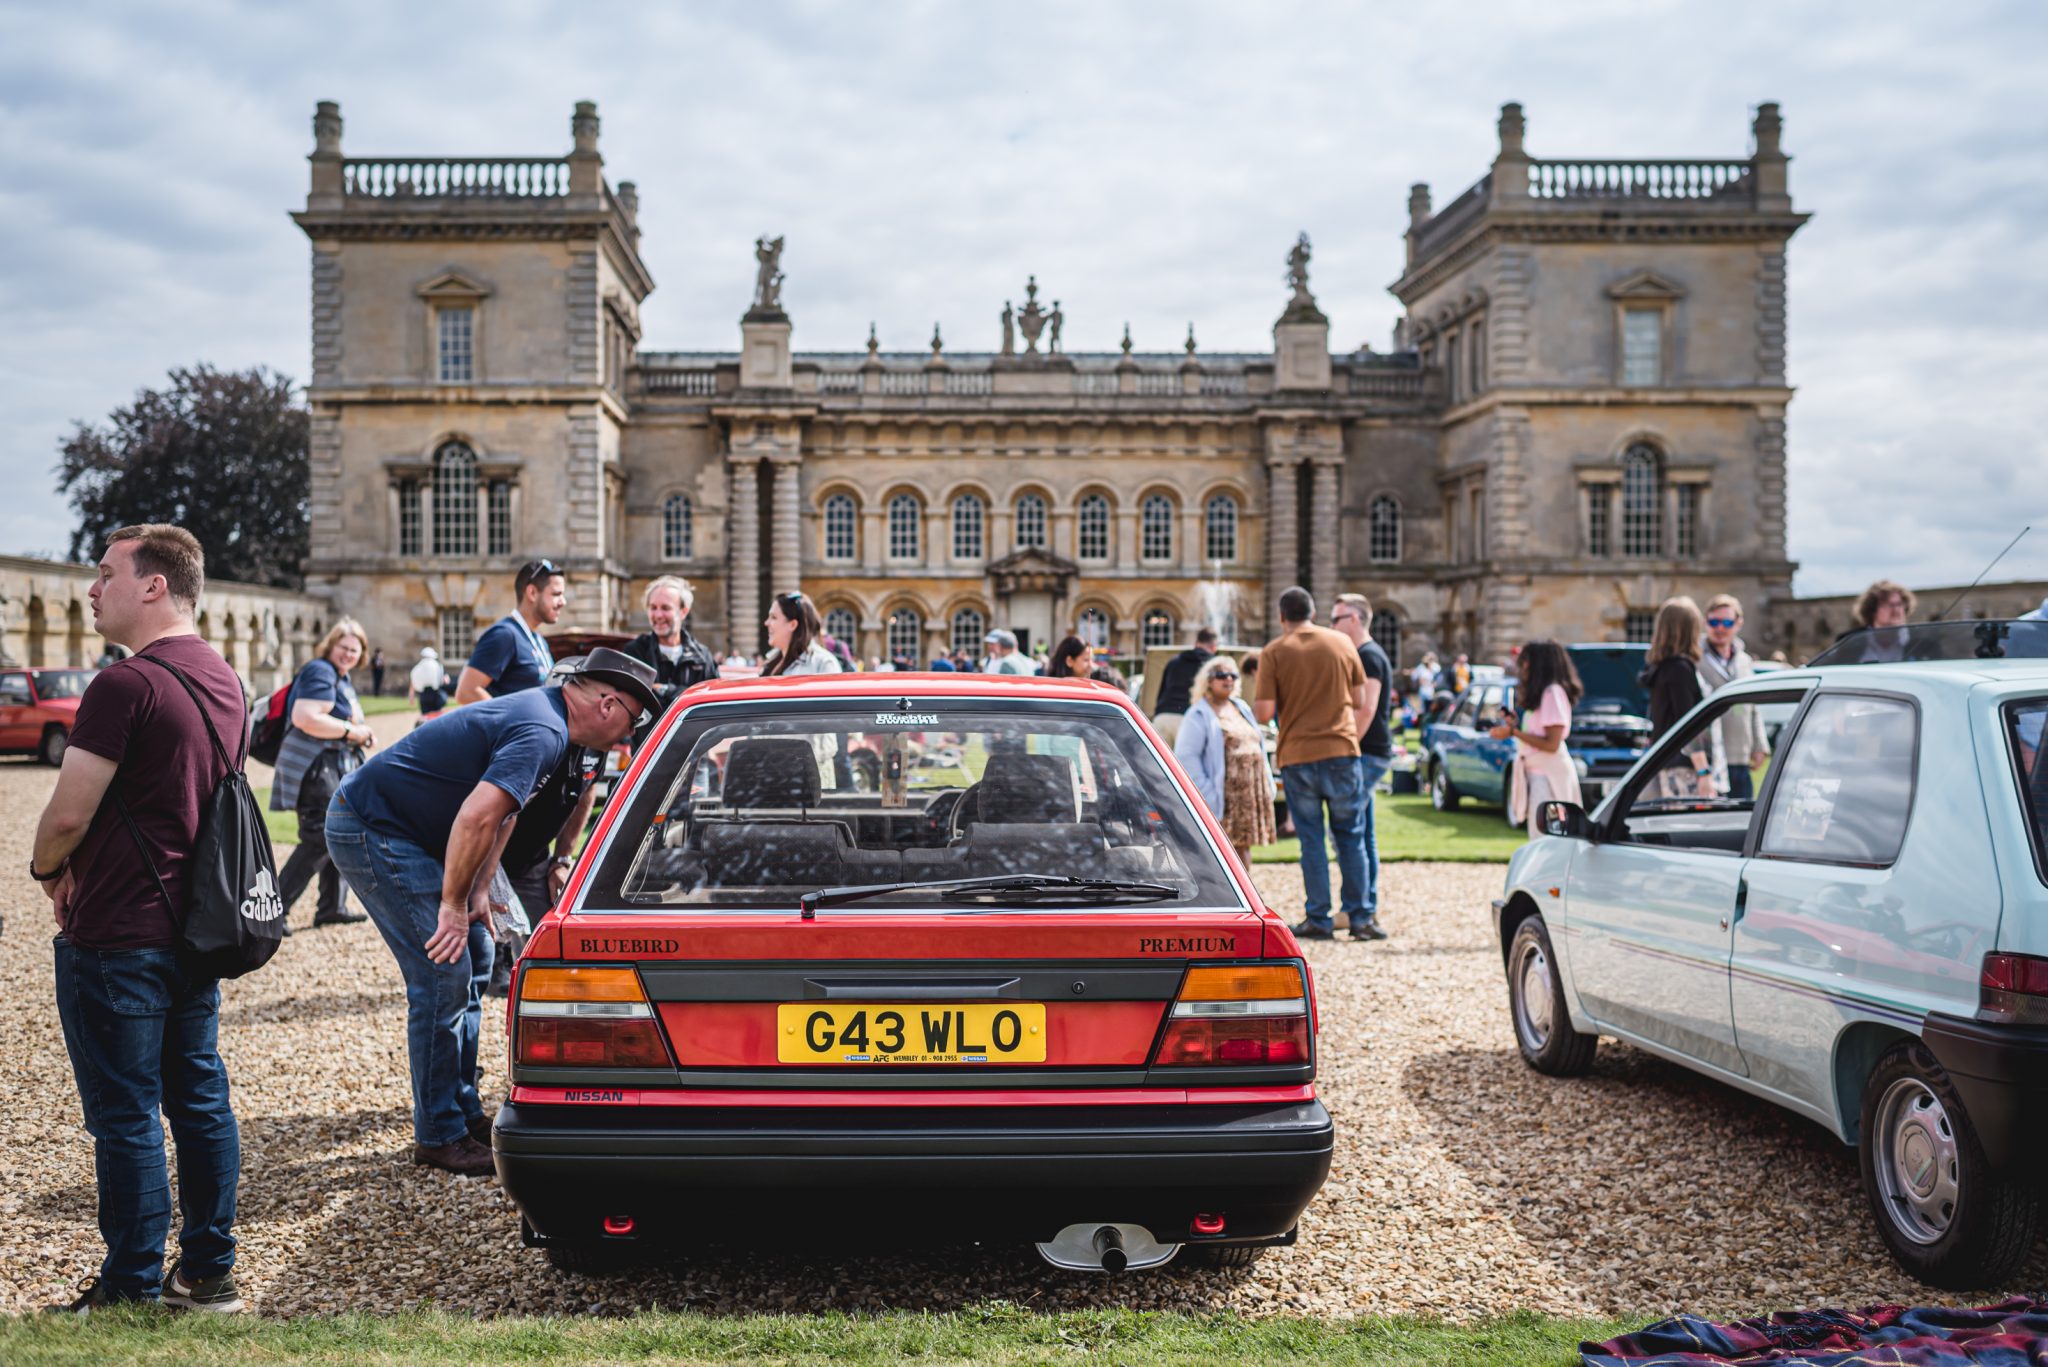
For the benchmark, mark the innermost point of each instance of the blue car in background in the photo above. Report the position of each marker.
(1610, 731)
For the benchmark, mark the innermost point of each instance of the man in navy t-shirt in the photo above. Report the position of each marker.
(417, 831)
(511, 654)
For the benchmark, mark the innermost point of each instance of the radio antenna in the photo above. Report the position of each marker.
(1943, 614)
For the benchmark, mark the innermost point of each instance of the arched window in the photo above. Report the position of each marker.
(840, 624)
(906, 635)
(841, 542)
(678, 528)
(1383, 530)
(454, 500)
(1092, 533)
(1157, 628)
(1220, 529)
(905, 524)
(1092, 626)
(967, 521)
(969, 626)
(1031, 522)
(1642, 501)
(1155, 523)
(1386, 629)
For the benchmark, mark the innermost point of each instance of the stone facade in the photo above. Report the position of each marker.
(1584, 412)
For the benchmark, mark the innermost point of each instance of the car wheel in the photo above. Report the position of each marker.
(1442, 795)
(1947, 1218)
(1543, 1025)
(591, 1260)
(1222, 1255)
(56, 741)
(867, 772)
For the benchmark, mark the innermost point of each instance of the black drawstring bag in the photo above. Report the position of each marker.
(233, 918)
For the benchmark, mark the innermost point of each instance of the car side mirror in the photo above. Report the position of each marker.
(1567, 819)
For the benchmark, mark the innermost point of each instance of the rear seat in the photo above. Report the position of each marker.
(778, 776)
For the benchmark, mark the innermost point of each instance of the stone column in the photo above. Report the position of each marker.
(1323, 536)
(785, 555)
(1283, 548)
(743, 595)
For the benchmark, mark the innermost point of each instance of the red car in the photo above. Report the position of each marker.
(37, 708)
(1019, 989)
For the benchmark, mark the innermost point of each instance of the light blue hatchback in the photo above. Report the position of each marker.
(1866, 943)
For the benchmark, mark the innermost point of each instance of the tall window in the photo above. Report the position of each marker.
(1642, 346)
(1155, 524)
(969, 626)
(1093, 627)
(1686, 535)
(1451, 349)
(1475, 500)
(839, 624)
(967, 523)
(1599, 510)
(904, 526)
(1157, 628)
(1478, 367)
(678, 527)
(409, 517)
(1642, 502)
(500, 528)
(457, 630)
(1092, 532)
(840, 542)
(1219, 526)
(1031, 522)
(1383, 530)
(457, 330)
(906, 635)
(1639, 624)
(455, 502)
(1386, 629)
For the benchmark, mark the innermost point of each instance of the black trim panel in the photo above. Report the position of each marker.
(2002, 1073)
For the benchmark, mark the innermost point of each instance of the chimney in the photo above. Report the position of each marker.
(1768, 164)
(1511, 167)
(586, 166)
(326, 158)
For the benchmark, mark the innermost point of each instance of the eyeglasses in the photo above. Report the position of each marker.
(1226, 677)
(1343, 616)
(1720, 621)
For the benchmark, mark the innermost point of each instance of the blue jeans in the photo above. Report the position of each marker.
(1309, 788)
(400, 887)
(1741, 783)
(143, 1036)
(1371, 769)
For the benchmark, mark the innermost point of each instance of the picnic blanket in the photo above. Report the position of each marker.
(2013, 1333)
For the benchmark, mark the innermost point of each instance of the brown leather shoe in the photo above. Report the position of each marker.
(480, 1129)
(465, 1157)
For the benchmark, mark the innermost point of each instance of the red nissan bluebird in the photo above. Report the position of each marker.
(1001, 979)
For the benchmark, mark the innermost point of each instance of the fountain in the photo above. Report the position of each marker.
(1218, 599)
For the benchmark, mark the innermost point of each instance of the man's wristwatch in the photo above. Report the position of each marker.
(50, 877)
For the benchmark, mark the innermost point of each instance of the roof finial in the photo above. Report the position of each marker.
(874, 345)
(938, 342)
(1191, 339)
(1127, 339)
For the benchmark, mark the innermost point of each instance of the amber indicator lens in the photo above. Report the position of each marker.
(580, 985)
(1243, 982)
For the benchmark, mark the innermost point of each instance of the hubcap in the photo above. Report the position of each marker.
(1439, 787)
(1916, 1161)
(1532, 995)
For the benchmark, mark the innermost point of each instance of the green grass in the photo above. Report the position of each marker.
(1410, 829)
(998, 1333)
(284, 826)
(374, 705)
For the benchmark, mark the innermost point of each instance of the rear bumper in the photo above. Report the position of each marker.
(817, 1175)
(2001, 1072)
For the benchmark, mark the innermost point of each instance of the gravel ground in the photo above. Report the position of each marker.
(1464, 1185)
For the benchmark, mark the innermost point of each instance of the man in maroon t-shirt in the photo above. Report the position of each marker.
(141, 1031)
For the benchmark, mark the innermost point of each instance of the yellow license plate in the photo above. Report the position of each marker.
(984, 1032)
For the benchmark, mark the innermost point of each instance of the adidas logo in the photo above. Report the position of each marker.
(263, 903)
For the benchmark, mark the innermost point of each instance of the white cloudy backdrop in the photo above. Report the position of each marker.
(1150, 162)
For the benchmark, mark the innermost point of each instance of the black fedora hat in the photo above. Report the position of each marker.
(634, 678)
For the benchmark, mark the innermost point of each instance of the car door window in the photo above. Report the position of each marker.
(2026, 725)
(1666, 803)
(13, 690)
(1489, 707)
(1844, 792)
(1467, 706)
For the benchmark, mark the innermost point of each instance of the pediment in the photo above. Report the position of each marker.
(453, 287)
(1646, 285)
(1033, 560)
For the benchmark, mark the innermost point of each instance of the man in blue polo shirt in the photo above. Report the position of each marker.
(511, 654)
(416, 833)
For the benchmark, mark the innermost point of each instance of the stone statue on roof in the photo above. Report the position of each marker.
(1052, 340)
(1009, 329)
(1297, 271)
(767, 278)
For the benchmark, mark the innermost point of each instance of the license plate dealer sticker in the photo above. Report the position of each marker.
(983, 1032)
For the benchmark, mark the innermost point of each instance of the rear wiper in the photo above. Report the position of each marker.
(969, 888)
(1059, 888)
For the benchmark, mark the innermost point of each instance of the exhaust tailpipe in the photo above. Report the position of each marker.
(1106, 1246)
(1109, 1246)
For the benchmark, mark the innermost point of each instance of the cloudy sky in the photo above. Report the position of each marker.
(1150, 162)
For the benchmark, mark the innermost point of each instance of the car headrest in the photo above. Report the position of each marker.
(771, 772)
(1028, 788)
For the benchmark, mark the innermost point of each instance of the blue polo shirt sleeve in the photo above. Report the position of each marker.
(495, 650)
(522, 757)
(317, 683)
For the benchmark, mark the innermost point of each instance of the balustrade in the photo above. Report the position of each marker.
(1638, 179)
(455, 177)
(904, 382)
(1159, 382)
(1223, 384)
(970, 382)
(1096, 382)
(695, 382)
(839, 381)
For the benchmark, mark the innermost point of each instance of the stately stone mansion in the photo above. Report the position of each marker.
(1583, 413)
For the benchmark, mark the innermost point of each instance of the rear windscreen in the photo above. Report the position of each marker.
(752, 805)
(2025, 724)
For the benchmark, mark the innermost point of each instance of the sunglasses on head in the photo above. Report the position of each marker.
(1720, 621)
(535, 571)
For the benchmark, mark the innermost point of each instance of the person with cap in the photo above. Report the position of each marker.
(1003, 655)
(511, 654)
(417, 831)
(429, 684)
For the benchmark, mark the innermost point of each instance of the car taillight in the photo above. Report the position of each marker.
(2013, 990)
(587, 1018)
(1238, 1015)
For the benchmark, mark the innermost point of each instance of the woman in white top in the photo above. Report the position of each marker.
(1543, 766)
(793, 630)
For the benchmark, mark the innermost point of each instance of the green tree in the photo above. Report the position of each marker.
(220, 453)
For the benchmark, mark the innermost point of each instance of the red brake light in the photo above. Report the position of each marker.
(2013, 990)
(590, 1042)
(1238, 1015)
(1209, 1040)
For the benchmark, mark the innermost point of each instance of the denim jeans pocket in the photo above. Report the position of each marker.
(138, 982)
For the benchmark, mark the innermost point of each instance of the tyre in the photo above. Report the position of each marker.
(56, 740)
(1543, 1025)
(1222, 1255)
(867, 771)
(1947, 1218)
(591, 1260)
(1443, 794)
